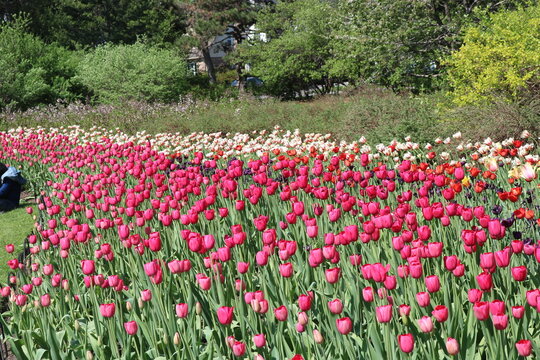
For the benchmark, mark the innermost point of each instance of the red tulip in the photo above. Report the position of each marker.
(242, 267)
(367, 294)
(485, 281)
(286, 270)
(404, 310)
(146, 295)
(519, 273)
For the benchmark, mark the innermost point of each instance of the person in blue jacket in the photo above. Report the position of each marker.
(10, 188)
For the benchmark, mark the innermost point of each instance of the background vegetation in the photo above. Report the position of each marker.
(394, 66)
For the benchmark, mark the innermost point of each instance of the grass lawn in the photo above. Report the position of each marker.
(14, 227)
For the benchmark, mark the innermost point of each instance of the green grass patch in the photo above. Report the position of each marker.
(15, 226)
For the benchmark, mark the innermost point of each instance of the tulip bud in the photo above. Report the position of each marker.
(77, 326)
(452, 346)
(165, 339)
(176, 339)
(129, 307)
(317, 336)
(140, 303)
(89, 355)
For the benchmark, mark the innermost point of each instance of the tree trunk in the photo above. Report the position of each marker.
(209, 65)
(240, 78)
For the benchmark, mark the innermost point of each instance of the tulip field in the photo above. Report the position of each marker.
(273, 245)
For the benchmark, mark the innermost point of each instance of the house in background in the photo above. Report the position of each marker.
(221, 46)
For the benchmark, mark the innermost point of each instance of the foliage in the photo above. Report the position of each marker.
(299, 53)
(375, 113)
(500, 58)
(133, 72)
(399, 43)
(76, 23)
(33, 72)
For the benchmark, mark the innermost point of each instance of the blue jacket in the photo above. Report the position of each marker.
(12, 182)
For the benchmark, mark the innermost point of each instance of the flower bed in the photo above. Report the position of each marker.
(274, 246)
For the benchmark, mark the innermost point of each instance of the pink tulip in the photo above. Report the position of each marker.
(146, 295)
(304, 302)
(481, 310)
(344, 325)
(281, 313)
(332, 275)
(440, 313)
(500, 322)
(524, 347)
(259, 340)
(182, 310)
(423, 299)
(225, 315)
(88, 267)
(239, 348)
(432, 283)
(335, 306)
(107, 310)
(406, 342)
(452, 346)
(131, 327)
(384, 313)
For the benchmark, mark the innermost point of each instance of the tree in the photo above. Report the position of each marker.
(206, 19)
(33, 72)
(298, 52)
(400, 43)
(81, 23)
(499, 59)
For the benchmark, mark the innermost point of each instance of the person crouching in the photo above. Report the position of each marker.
(10, 188)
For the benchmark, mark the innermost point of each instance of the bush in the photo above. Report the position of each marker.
(134, 72)
(500, 58)
(33, 72)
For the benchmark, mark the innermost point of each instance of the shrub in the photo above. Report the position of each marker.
(133, 72)
(33, 72)
(500, 58)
